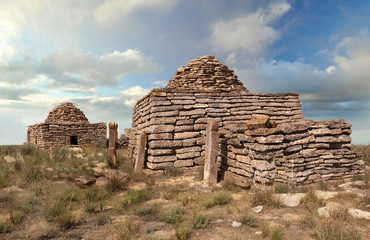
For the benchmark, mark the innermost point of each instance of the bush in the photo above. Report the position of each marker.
(220, 198)
(28, 149)
(276, 233)
(61, 154)
(127, 231)
(135, 197)
(282, 188)
(16, 217)
(27, 205)
(248, 220)
(4, 226)
(265, 198)
(311, 202)
(115, 184)
(144, 211)
(173, 216)
(60, 212)
(9, 150)
(200, 221)
(182, 233)
(328, 229)
(228, 185)
(4, 174)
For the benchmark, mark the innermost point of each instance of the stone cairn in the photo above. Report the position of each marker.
(206, 73)
(111, 152)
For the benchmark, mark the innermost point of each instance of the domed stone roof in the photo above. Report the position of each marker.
(66, 113)
(206, 73)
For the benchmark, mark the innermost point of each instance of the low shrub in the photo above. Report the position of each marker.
(174, 215)
(265, 198)
(28, 149)
(16, 217)
(115, 184)
(146, 210)
(133, 197)
(5, 226)
(4, 176)
(311, 202)
(219, 198)
(248, 220)
(200, 221)
(60, 212)
(182, 233)
(282, 188)
(276, 233)
(329, 228)
(127, 231)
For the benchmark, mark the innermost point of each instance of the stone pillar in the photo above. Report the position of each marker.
(111, 153)
(140, 157)
(210, 161)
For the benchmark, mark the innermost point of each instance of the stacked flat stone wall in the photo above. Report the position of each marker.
(302, 152)
(175, 120)
(47, 136)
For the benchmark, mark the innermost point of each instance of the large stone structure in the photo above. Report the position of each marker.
(174, 121)
(66, 125)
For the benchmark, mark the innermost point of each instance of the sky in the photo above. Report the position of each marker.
(105, 55)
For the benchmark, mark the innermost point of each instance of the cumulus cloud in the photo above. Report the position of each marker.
(131, 95)
(345, 80)
(86, 71)
(75, 71)
(252, 32)
(8, 31)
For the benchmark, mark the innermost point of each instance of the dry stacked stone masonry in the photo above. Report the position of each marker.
(174, 120)
(66, 125)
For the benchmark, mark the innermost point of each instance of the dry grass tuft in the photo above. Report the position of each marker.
(265, 198)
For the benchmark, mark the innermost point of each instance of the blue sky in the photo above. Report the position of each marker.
(105, 55)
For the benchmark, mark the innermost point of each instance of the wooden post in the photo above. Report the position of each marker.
(210, 161)
(111, 153)
(140, 158)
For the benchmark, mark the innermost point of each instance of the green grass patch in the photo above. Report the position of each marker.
(218, 198)
(127, 230)
(173, 216)
(134, 197)
(200, 221)
(248, 220)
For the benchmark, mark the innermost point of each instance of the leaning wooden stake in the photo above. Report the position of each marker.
(210, 161)
(140, 158)
(111, 153)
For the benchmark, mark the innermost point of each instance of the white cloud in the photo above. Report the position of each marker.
(77, 71)
(131, 95)
(346, 79)
(252, 32)
(115, 10)
(161, 83)
(8, 31)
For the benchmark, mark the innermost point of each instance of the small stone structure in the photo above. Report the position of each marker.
(262, 137)
(66, 125)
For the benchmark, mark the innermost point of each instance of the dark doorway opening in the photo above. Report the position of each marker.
(73, 140)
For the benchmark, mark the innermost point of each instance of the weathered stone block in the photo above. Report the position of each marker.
(186, 135)
(184, 163)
